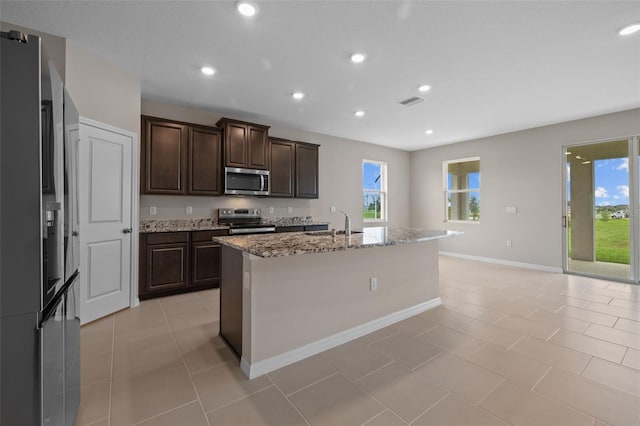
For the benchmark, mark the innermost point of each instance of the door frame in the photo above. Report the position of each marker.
(634, 208)
(135, 199)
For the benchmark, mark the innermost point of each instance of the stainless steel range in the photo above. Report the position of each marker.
(244, 221)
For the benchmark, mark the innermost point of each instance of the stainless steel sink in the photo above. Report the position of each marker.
(328, 233)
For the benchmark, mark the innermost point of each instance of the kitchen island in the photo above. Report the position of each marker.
(285, 297)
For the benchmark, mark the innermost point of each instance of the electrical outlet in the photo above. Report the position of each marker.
(333, 209)
(153, 210)
(271, 210)
(289, 209)
(189, 210)
(373, 283)
(508, 243)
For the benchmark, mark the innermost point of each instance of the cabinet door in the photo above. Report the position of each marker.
(306, 171)
(164, 157)
(205, 176)
(205, 264)
(282, 168)
(235, 145)
(258, 148)
(166, 267)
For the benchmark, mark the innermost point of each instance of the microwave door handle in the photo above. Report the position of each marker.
(262, 183)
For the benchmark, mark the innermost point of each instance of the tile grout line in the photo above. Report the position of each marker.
(155, 416)
(307, 386)
(520, 339)
(184, 363)
(586, 365)
(477, 404)
(373, 397)
(289, 401)
(378, 415)
(239, 399)
(541, 378)
(432, 405)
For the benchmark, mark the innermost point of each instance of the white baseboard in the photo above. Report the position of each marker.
(265, 366)
(503, 262)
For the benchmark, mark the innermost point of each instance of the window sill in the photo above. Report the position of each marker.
(473, 222)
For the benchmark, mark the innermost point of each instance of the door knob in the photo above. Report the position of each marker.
(127, 230)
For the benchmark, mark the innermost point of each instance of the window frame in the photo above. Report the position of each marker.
(383, 192)
(447, 191)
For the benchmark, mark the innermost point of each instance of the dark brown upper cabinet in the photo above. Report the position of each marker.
(180, 158)
(306, 170)
(205, 154)
(245, 144)
(283, 155)
(294, 169)
(164, 156)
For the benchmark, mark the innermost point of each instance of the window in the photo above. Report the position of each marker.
(374, 191)
(462, 189)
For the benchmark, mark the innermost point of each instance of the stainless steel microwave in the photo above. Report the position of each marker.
(246, 181)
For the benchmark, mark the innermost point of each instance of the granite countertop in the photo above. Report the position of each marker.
(294, 243)
(178, 225)
(149, 226)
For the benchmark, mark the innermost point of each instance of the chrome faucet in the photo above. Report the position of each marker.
(347, 223)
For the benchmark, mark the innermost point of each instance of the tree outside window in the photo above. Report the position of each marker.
(374, 191)
(462, 189)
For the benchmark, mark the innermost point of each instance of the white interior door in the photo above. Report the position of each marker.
(105, 189)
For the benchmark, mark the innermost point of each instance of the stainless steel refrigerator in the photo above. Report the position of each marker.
(39, 294)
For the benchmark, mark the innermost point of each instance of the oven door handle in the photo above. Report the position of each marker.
(240, 231)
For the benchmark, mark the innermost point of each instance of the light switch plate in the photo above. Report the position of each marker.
(271, 210)
(153, 210)
(333, 209)
(289, 209)
(189, 210)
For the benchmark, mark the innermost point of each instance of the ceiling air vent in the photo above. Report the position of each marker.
(411, 101)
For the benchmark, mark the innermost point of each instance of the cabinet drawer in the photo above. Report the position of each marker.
(167, 238)
(290, 229)
(207, 235)
(316, 227)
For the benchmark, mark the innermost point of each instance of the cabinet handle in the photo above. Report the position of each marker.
(127, 230)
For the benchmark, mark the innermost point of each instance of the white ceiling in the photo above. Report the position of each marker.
(494, 66)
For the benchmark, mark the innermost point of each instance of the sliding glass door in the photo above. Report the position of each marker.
(601, 209)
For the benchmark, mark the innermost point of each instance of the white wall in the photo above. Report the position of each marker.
(340, 177)
(101, 91)
(522, 169)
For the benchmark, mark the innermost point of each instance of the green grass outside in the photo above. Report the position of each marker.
(369, 214)
(612, 241)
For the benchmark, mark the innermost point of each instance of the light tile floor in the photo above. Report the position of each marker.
(508, 346)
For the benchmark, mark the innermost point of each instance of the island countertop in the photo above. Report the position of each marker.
(295, 243)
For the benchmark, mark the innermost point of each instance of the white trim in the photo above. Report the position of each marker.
(135, 200)
(503, 262)
(265, 366)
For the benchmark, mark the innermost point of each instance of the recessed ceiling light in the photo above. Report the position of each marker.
(246, 8)
(630, 29)
(586, 162)
(424, 88)
(359, 113)
(206, 70)
(429, 132)
(578, 157)
(357, 58)
(297, 95)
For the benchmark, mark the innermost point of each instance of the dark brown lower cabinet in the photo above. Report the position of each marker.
(178, 262)
(302, 228)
